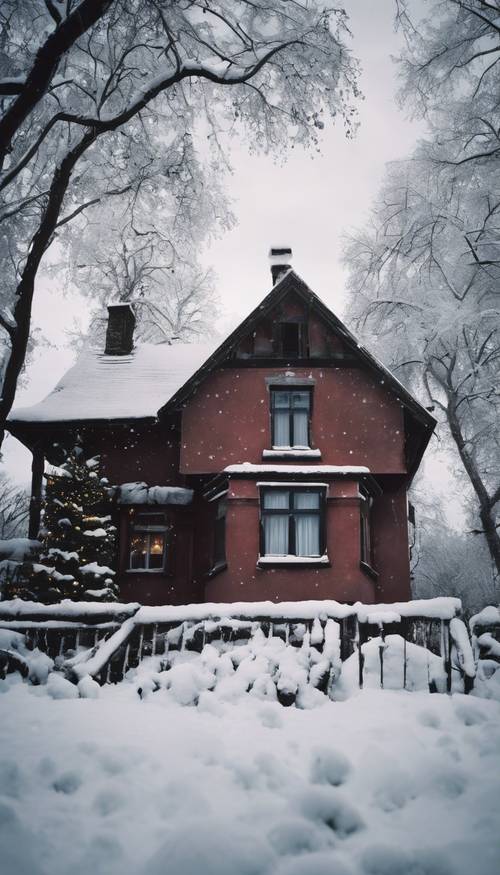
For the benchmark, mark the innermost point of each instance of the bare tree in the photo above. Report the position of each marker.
(14, 509)
(100, 108)
(135, 262)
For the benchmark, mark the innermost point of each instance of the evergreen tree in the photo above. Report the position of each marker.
(78, 538)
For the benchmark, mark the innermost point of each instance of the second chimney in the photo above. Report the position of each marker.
(280, 258)
(120, 330)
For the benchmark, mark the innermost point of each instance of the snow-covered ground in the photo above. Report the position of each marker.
(384, 783)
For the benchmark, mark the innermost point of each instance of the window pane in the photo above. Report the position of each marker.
(276, 499)
(281, 399)
(157, 549)
(300, 430)
(307, 535)
(138, 551)
(276, 535)
(301, 399)
(150, 519)
(290, 333)
(305, 500)
(281, 435)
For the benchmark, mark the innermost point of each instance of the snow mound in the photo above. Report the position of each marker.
(265, 668)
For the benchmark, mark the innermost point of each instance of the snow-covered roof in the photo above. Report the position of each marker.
(134, 386)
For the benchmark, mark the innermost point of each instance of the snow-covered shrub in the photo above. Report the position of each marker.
(263, 667)
(16, 656)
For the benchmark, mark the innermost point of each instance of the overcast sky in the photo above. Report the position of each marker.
(308, 204)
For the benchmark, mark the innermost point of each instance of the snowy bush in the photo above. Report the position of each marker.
(263, 667)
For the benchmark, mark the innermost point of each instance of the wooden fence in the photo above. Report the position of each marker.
(106, 641)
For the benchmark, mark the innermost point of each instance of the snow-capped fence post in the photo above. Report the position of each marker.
(446, 652)
(360, 639)
(404, 633)
(381, 649)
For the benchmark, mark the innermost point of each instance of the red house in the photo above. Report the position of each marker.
(273, 467)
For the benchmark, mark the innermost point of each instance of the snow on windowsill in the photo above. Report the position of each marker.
(291, 453)
(293, 560)
(145, 571)
(250, 468)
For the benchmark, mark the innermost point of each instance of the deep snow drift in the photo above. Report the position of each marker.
(384, 783)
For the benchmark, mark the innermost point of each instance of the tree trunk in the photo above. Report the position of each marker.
(24, 294)
(486, 506)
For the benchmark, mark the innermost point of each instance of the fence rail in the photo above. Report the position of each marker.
(106, 641)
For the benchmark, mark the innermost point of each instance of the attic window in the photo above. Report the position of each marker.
(291, 340)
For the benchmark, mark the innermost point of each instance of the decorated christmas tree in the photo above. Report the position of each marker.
(78, 537)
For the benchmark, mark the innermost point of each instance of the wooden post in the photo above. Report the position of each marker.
(381, 649)
(361, 659)
(37, 467)
(446, 652)
(404, 632)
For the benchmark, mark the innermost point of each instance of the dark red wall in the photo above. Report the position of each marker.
(177, 586)
(147, 453)
(345, 580)
(355, 420)
(390, 541)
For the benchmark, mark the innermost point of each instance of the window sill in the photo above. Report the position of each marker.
(323, 561)
(145, 571)
(221, 566)
(368, 570)
(291, 453)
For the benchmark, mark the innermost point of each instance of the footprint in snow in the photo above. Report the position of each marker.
(328, 806)
(329, 766)
(429, 718)
(68, 783)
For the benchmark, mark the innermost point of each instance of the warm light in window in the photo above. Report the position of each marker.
(157, 545)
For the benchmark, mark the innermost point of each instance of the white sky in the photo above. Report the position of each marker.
(307, 204)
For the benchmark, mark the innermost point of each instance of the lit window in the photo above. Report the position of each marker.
(148, 542)
(290, 417)
(293, 522)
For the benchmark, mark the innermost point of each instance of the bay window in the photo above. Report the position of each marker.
(292, 522)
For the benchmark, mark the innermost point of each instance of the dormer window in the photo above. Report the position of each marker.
(291, 340)
(290, 418)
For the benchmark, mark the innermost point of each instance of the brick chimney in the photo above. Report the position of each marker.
(120, 330)
(280, 259)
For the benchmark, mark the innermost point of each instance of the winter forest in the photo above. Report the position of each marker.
(249, 506)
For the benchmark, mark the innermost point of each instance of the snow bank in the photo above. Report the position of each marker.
(264, 667)
(385, 783)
